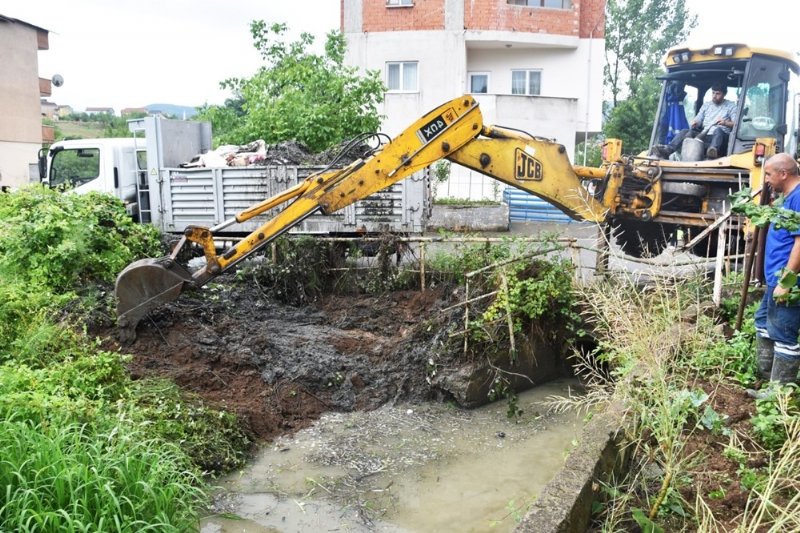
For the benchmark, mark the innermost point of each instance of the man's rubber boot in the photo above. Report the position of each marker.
(765, 351)
(784, 370)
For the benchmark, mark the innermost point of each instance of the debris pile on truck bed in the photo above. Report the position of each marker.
(289, 153)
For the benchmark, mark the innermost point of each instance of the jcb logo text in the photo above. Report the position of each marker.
(528, 168)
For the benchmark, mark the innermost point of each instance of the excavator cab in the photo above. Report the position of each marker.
(756, 80)
(694, 190)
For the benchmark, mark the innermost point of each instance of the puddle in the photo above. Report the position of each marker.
(415, 468)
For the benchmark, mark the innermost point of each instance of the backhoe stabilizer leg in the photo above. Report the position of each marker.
(143, 286)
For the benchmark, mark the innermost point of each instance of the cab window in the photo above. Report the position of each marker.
(75, 167)
(764, 101)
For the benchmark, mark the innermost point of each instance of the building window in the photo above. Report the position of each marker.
(553, 4)
(402, 76)
(526, 82)
(400, 3)
(479, 82)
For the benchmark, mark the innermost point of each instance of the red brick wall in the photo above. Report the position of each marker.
(587, 17)
(499, 15)
(424, 15)
(593, 17)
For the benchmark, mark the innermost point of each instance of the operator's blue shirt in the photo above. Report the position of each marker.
(780, 242)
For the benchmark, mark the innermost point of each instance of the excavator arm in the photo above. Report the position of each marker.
(454, 131)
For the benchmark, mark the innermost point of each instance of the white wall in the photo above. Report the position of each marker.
(445, 58)
(20, 107)
(15, 161)
(566, 73)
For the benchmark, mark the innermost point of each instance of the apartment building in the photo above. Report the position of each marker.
(21, 129)
(535, 65)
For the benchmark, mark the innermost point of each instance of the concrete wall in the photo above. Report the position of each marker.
(20, 108)
(567, 72)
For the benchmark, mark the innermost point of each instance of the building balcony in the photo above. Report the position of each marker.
(48, 134)
(45, 87)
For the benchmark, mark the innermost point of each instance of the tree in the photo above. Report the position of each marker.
(297, 95)
(638, 35)
(632, 119)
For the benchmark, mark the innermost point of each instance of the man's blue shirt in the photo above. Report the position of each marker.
(780, 242)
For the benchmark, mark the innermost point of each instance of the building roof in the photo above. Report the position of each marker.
(18, 21)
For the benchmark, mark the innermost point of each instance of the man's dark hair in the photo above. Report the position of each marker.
(719, 87)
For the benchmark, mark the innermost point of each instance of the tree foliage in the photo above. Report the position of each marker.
(298, 95)
(638, 35)
(632, 119)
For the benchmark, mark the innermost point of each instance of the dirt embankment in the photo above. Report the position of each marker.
(280, 367)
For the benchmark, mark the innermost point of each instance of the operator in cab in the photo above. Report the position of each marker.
(714, 122)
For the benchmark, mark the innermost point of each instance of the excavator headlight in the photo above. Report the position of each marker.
(723, 51)
(759, 150)
(682, 57)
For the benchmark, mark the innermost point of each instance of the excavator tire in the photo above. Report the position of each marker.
(641, 239)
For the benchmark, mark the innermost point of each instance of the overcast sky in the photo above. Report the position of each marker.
(131, 53)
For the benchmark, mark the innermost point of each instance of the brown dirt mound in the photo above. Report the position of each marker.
(714, 472)
(280, 367)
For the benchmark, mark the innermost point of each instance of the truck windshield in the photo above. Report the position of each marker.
(74, 167)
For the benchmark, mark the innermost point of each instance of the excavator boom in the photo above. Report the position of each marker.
(150, 283)
(453, 131)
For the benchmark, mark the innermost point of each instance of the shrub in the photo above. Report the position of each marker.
(61, 240)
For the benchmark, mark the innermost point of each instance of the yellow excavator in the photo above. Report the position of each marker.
(645, 196)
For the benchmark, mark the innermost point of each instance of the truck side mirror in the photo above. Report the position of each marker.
(42, 163)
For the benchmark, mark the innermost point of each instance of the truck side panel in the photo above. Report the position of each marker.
(209, 196)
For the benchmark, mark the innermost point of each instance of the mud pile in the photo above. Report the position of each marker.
(280, 366)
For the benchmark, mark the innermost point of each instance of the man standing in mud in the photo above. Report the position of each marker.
(778, 321)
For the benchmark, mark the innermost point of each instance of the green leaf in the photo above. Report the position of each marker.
(647, 525)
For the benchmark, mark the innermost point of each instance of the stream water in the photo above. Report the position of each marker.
(414, 468)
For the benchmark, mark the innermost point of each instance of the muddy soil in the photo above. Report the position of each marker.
(712, 471)
(279, 367)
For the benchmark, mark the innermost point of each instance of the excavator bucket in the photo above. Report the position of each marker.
(143, 286)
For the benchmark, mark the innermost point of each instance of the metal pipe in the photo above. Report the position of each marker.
(756, 243)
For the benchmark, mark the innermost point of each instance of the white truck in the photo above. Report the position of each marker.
(144, 172)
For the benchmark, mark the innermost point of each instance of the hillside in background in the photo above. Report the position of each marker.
(178, 111)
(72, 129)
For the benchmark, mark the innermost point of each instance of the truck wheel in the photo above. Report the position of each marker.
(641, 239)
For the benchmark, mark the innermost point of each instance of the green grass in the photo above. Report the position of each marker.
(463, 202)
(72, 129)
(69, 478)
(82, 446)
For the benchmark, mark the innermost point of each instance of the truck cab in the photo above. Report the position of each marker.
(103, 165)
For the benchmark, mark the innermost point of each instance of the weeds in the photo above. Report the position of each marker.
(67, 477)
(656, 342)
(82, 448)
(775, 505)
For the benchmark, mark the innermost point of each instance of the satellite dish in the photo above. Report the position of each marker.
(57, 80)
